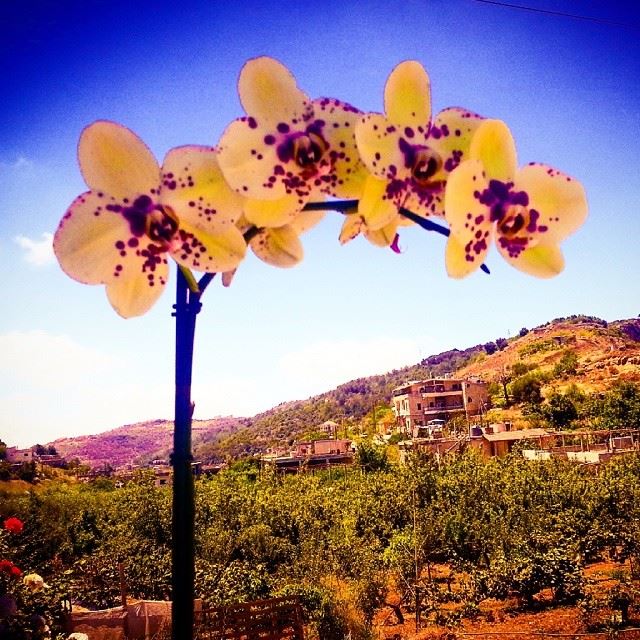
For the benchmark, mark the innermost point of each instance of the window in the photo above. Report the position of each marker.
(469, 400)
(419, 406)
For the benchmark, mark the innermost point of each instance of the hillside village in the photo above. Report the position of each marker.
(484, 397)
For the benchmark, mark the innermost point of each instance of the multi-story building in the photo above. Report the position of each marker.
(419, 402)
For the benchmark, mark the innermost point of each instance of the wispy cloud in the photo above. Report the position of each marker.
(38, 253)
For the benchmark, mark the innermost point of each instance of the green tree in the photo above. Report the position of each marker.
(559, 410)
(371, 457)
(567, 365)
(527, 389)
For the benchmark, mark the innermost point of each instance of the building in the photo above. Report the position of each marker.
(18, 456)
(314, 455)
(420, 402)
(330, 428)
(322, 448)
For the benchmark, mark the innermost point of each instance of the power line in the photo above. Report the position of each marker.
(611, 23)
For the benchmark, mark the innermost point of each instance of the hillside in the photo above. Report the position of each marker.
(139, 443)
(599, 352)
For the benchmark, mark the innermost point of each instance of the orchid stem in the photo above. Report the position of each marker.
(344, 205)
(186, 308)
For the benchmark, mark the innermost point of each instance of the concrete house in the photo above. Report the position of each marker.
(420, 402)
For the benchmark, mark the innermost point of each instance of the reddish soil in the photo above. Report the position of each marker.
(504, 620)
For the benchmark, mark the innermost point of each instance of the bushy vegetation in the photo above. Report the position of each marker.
(504, 527)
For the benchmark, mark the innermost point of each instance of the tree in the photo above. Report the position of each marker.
(527, 389)
(559, 410)
(567, 365)
(620, 407)
(502, 343)
(371, 457)
(490, 347)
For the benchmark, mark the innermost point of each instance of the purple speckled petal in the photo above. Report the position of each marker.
(213, 251)
(133, 296)
(95, 244)
(459, 261)
(379, 146)
(450, 135)
(559, 201)
(542, 261)
(426, 202)
(348, 172)
(194, 187)
(249, 161)
(279, 247)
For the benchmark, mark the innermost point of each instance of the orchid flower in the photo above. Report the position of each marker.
(120, 232)
(408, 156)
(528, 210)
(288, 149)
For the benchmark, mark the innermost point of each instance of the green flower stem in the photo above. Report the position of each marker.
(192, 283)
(183, 511)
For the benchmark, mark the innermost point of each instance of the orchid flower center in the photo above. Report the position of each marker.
(308, 149)
(515, 219)
(161, 224)
(426, 163)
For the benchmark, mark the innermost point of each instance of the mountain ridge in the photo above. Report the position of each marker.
(604, 352)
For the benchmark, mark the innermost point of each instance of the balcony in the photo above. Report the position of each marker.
(443, 409)
(441, 392)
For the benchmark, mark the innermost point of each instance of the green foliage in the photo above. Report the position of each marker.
(520, 368)
(567, 365)
(539, 346)
(618, 408)
(527, 389)
(559, 410)
(371, 457)
(503, 526)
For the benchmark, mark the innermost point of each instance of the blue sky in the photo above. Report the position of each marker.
(569, 89)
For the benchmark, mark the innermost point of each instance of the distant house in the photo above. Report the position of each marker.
(18, 456)
(419, 402)
(322, 447)
(501, 442)
(52, 460)
(310, 455)
(330, 428)
(164, 476)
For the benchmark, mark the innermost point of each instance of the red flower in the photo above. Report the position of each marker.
(7, 566)
(13, 525)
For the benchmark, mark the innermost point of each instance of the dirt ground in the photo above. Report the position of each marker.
(504, 620)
